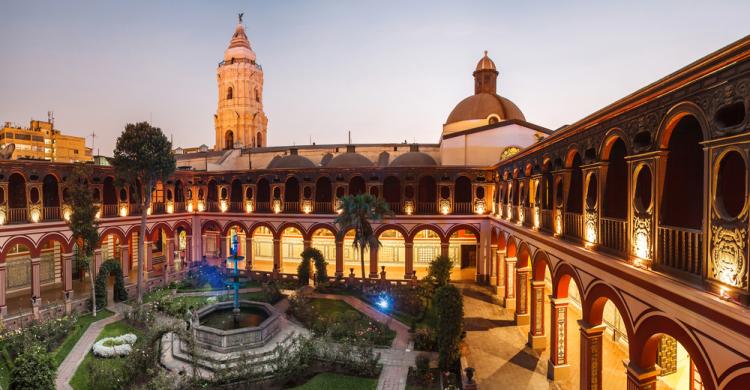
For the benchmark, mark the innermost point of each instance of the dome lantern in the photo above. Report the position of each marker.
(485, 76)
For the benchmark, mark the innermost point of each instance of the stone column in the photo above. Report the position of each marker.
(591, 355)
(307, 244)
(408, 260)
(522, 292)
(537, 340)
(97, 260)
(224, 247)
(148, 258)
(340, 259)
(374, 262)
(639, 378)
(558, 367)
(510, 282)
(3, 305)
(248, 253)
(169, 267)
(68, 281)
(492, 267)
(36, 286)
(277, 254)
(189, 249)
(125, 263)
(444, 246)
(203, 246)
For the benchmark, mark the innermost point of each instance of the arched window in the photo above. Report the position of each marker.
(230, 93)
(257, 95)
(259, 140)
(229, 140)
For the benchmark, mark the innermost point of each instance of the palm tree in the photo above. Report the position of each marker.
(357, 212)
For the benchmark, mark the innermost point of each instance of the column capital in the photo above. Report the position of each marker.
(559, 302)
(538, 283)
(591, 330)
(640, 378)
(511, 259)
(36, 260)
(3, 266)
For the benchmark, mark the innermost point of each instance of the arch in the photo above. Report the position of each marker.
(673, 117)
(318, 226)
(615, 194)
(120, 294)
(462, 190)
(511, 248)
(251, 230)
(19, 240)
(54, 236)
(323, 189)
(592, 306)
(229, 140)
(210, 224)
(159, 225)
(263, 190)
(570, 155)
(235, 195)
(183, 225)
(539, 265)
(463, 226)
(230, 93)
(646, 340)
(230, 225)
(561, 277)
(117, 232)
(390, 226)
(431, 228)
(291, 189)
(357, 185)
(109, 194)
(427, 189)
(502, 244)
(16, 191)
(575, 190)
(258, 140)
(50, 191)
(295, 225)
(392, 189)
(609, 140)
(523, 259)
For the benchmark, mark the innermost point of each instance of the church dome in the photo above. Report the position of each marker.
(349, 160)
(413, 159)
(292, 161)
(482, 106)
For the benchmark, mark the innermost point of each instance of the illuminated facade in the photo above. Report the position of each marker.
(633, 220)
(40, 141)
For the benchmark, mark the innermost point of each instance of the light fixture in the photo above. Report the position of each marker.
(276, 206)
(479, 206)
(249, 207)
(223, 206)
(148, 210)
(306, 206)
(445, 207)
(190, 207)
(123, 211)
(536, 217)
(408, 207)
(35, 215)
(2, 217)
(170, 207)
(201, 206)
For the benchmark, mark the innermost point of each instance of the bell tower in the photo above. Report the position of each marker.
(240, 121)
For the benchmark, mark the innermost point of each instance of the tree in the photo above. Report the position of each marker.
(143, 155)
(83, 223)
(449, 308)
(440, 269)
(357, 212)
(33, 369)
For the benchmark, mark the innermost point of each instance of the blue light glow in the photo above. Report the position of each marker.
(383, 303)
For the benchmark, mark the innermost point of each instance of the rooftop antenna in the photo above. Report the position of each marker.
(350, 137)
(93, 139)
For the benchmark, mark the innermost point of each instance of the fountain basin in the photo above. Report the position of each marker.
(215, 330)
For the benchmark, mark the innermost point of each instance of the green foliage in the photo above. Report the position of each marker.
(303, 271)
(270, 292)
(357, 213)
(142, 156)
(339, 321)
(440, 269)
(33, 369)
(49, 334)
(319, 261)
(422, 368)
(109, 266)
(450, 312)
(425, 340)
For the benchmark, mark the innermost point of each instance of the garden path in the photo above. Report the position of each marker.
(395, 360)
(69, 366)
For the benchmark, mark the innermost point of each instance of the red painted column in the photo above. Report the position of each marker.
(3, 277)
(444, 246)
(537, 340)
(408, 259)
(558, 367)
(591, 355)
(248, 253)
(374, 262)
(36, 286)
(500, 272)
(148, 256)
(510, 283)
(522, 299)
(277, 254)
(639, 378)
(189, 249)
(125, 263)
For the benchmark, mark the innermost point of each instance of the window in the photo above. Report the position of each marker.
(230, 93)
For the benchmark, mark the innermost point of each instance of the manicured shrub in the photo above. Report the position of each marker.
(33, 369)
(425, 340)
(422, 367)
(440, 269)
(450, 312)
(303, 271)
(120, 294)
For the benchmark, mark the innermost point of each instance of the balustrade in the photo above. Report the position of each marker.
(528, 216)
(573, 225)
(614, 235)
(427, 208)
(51, 214)
(546, 222)
(236, 207)
(179, 207)
(108, 210)
(17, 215)
(323, 207)
(462, 208)
(157, 208)
(395, 207)
(680, 249)
(212, 206)
(291, 207)
(263, 207)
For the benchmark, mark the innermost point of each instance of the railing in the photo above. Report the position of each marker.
(51, 214)
(462, 208)
(109, 210)
(157, 208)
(17, 215)
(680, 249)
(291, 207)
(322, 207)
(263, 207)
(236, 207)
(573, 225)
(395, 207)
(528, 217)
(427, 208)
(179, 207)
(546, 222)
(614, 235)
(212, 206)
(135, 209)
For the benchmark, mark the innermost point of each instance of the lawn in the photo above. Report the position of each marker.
(80, 380)
(328, 381)
(341, 320)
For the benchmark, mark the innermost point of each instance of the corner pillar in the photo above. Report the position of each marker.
(591, 355)
(3, 278)
(510, 282)
(537, 339)
(522, 301)
(374, 262)
(277, 254)
(340, 259)
(558, 367)
(639, 378)
(248, 253)
(36, 286)
(408, 260)
(125, 263)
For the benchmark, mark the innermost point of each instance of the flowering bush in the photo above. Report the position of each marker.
(33, 369)
(49, 334)
(114, 346)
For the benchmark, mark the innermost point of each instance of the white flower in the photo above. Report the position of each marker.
(115, 346)
(212, 299)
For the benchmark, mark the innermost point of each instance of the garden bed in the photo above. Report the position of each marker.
(331, 381)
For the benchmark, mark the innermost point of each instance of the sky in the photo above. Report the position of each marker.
(388, 71)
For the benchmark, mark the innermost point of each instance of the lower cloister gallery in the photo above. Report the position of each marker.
(611, 253)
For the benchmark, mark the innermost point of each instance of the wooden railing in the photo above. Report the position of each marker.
(51, 214)
(17, 215)
(109, 210)
(427, 208)
(263, 207)
(462, 208)
(573, 225)
(395, 207)
(179, 207)
(614, 235)
(135, 209)
(528, 216)
(680, 249)
(212, 206)
(547, 220)
(323, 207)
(291, 207)
(236, 207)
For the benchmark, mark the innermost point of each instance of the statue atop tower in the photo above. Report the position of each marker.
(240, 121)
